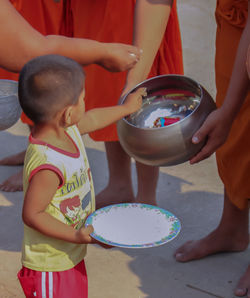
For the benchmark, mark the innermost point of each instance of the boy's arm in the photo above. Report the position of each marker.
(36, 201)
(98, 118)
(20, 42)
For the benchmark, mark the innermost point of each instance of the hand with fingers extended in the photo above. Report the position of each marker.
(119, 57)
(214, 130)
(133, 101)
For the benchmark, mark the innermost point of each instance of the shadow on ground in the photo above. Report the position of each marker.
(159, 275)
(199, 212)
(10, 203)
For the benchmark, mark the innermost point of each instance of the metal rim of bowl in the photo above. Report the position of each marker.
(154, 78)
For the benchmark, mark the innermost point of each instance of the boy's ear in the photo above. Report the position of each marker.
(67, 116)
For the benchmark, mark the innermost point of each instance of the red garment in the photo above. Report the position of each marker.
(106, 21)
(61, 284)
(112, 21)
(46, 17)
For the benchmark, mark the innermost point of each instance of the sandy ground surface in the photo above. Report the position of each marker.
(192, 193)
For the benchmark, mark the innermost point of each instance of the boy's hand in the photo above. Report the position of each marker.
(119, 57)
(83, 234)
(133, 101)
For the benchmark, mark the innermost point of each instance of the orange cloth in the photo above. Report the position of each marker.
(46, 17)
(112, 21)
(106, 21)
(233, 158)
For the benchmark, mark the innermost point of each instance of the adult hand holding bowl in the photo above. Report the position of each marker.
(10, 109)
(160, 133)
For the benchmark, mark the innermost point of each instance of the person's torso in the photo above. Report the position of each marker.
(72, 203)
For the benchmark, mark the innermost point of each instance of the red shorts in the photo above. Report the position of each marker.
(62, 284)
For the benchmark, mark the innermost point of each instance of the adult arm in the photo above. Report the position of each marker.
(20, 42)
(218, 124)
(150, 21)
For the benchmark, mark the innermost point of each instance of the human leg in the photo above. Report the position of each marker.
(227, 237)
(119, 188)
(168, 60)
(13, 183)
(147, 177)
(45, 16)
(13, 160)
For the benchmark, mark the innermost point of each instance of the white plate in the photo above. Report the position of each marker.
(133, 225)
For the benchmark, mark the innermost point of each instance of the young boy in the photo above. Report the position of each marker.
(58, 189)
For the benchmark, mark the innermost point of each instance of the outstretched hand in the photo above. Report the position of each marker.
(214, 130)
(119, 57)
(133, 101)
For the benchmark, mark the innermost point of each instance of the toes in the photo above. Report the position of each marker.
(182, 257)
(243, 287)
(240, 292)
(183, 248)
(182, 254)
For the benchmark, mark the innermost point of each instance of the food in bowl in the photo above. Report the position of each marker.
(160, 133)
(164, 108)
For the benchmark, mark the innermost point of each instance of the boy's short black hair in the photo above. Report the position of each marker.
(47, 84)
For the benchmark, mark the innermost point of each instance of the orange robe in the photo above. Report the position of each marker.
(46, 17)
(112, 21)
(233, 158)
(43, 15)
(106, 21)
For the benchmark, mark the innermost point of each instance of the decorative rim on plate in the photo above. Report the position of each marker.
(174, 230)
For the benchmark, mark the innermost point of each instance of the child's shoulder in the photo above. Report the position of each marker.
(74, 132)
(72, 129)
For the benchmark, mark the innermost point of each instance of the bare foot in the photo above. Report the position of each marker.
(13, 183)
(214, 243)
(110, 196)
(13, 160)
(243, 287)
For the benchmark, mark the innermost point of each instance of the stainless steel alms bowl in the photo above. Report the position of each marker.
(10, 110)
(169, 98)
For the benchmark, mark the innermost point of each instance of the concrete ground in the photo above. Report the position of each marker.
(193, 193)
